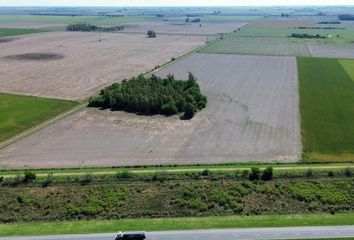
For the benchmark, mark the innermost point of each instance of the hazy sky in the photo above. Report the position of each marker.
(171, 2)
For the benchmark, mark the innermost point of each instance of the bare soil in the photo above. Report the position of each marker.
(331, 50)
(89, 64)
(252, 115)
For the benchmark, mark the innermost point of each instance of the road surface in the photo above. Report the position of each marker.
(225, 234)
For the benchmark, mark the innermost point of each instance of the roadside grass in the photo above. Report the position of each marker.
(19, 113)
(163, 224)
(7, 32)
(327, 110)
(258, 46)
(348, 65)
(295, 167)
(72, 19)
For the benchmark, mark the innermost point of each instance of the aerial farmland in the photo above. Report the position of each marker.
(174, 118)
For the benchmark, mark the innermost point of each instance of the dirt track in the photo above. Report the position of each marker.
(252, 115)
(87, 64)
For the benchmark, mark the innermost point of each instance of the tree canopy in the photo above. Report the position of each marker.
(153, 95)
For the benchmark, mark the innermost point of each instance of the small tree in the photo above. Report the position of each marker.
(255, 174)
(29, 176)
(189, 111)
(348, 172)
(151, 34)
(267, 174)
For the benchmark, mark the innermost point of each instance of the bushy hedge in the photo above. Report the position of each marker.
(153, 95)
(306, 35)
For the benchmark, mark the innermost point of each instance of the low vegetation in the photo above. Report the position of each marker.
(327, 110)
(19, 113)
(6, 32)
(153, 95)
(82, 27)
(161, 194)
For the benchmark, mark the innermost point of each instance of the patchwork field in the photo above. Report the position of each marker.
(327, 110)
(183, 28)
(252, 114)
(81, 64)
(258, 46)
(19, 113)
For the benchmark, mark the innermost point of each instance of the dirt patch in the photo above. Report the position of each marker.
(36, 56)
(252, 115)
(5, 40)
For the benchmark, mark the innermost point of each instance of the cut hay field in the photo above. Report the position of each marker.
(258, 46)
(327, 110)
(6, 32)
(348, 66)
(252, 115)
(81, 65)
(19, 113)
(331, 50)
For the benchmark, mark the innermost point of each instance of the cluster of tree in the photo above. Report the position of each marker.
(196, 20)
(83, 27)
(151, 34)
(306, 35)
(346, 17)
(330, 22)
(285, 15)
(153, 95)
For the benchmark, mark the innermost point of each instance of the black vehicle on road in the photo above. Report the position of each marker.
(131, 236)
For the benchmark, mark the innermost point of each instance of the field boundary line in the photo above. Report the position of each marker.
(40, 126)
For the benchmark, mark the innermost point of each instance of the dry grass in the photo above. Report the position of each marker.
(88, 64)
(252, 114)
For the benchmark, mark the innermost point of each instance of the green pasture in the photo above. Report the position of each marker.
(19, 113)
(327, 110)
(7, 32)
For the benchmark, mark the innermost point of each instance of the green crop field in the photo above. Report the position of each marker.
(258, 46)
(19, 113)
(327, 110)
(348, 65)
(72, 19)
(6, 32)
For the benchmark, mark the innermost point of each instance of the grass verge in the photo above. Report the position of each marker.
(7, 32)
(327, 110)
(161, 224)
(19, 113)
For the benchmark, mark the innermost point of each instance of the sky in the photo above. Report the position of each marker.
(172, 2)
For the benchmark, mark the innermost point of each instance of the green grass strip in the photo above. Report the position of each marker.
(19, 113)
(217, 222)
(327, 110)
(348, 65)
(7, 32)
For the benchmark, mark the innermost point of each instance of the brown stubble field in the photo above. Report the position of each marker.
(86, 64)
(252, 115)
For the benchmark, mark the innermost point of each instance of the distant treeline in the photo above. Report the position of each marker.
(330, 22)
(346, 17)
(306, 35)
(153, 95)
(327, 28)
(91, 28)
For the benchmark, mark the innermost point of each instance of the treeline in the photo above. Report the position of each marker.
(328, 28)
(306, 35)
(330, 22)
(346, 17)
(153, 95)
(82, 27)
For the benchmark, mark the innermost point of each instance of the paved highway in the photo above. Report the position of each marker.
(225, 234)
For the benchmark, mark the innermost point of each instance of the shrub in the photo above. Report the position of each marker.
(124, 174)
(267, 174)
(86, 179)
(1, 179)
(330, 174)
(29, 176)
(348, 172)
(245, 174)
(255, 174)
(309, 173)
(48, 181)
(206, 172)
(151, 34)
